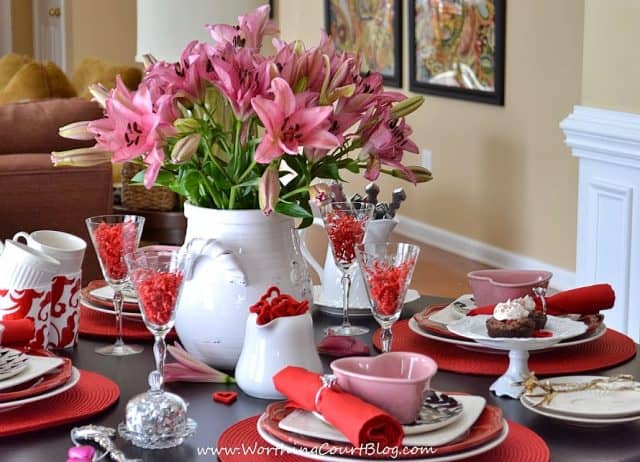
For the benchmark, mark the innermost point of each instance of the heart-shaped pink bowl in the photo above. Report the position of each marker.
(395, 382)
(494, 286)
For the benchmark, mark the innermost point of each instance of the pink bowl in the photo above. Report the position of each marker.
(394, 382)
(494, 286)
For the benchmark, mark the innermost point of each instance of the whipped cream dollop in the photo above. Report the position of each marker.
(518, 308)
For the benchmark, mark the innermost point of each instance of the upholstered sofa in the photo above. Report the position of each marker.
(34, 194)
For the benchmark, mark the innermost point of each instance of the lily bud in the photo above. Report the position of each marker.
(416, 174)
(185, 148)
(76, 131)
(148, 60)
(269, 189)
(319, 194)
(99, 93)
(81, 157)
(406, 106)
(186, 125)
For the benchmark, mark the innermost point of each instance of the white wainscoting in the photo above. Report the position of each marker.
(607, 144)
(481, 251)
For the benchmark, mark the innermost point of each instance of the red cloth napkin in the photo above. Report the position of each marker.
(583, 300)
(361, 422)
(17, 332)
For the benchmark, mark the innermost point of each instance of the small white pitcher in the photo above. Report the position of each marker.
(330, 276)
(268, 348)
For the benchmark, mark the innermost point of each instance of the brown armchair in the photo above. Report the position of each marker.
(34, 194)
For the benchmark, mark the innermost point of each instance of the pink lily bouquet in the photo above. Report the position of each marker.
(224, 125)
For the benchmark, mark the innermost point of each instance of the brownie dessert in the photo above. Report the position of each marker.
(539, 318)
(511, 327)
(513, 318)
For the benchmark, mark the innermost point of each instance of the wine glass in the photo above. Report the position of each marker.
(114, 236)
(345, 224)
(387, 268)
(157, 418)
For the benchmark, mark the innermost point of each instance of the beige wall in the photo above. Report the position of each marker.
(21, 26)
(502, 174)
(611, 68)
(103, 29)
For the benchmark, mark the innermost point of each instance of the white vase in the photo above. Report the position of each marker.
(238, 255)
(268, 348)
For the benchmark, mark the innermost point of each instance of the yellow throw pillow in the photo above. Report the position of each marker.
(9, 65)
(37, 81)
(94, 70)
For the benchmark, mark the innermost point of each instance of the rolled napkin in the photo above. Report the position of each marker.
(361, 422)
(17, 332)
(583, 300)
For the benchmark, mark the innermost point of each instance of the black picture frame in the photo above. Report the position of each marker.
(496, 96)
(394, 80)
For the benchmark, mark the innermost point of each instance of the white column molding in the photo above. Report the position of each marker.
(607, 144)
(6, 31)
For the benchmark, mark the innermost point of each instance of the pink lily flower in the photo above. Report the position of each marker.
(240, 78)
(385, 143)
(134, 126)
(249, 32)
(269, 189)
(289, 124)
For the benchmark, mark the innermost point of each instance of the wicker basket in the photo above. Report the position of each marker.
(137, 197)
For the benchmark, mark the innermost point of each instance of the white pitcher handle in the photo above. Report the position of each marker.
(307, 255)
(210, 248)
(22, 234)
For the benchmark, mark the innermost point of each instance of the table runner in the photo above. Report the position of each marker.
(96, 324)
(92, 394)
(611, 349)
(521, 445)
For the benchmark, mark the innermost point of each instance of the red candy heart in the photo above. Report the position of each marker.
(273, 305)
(225, 397)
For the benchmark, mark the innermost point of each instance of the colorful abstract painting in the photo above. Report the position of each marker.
(371, 28)
(457, 48)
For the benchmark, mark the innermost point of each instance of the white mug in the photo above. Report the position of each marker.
(331, 277)
(64, 247)
(23, 267)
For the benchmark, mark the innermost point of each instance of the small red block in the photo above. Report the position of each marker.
(225, 397)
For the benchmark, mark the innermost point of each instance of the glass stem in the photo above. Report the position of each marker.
(156, 378)
(118, 301)
(386, 339)
(346, 287)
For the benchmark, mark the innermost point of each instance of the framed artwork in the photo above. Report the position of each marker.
(457, 49)
(371, 28)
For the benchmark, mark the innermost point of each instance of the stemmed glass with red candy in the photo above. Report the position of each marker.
(157, 276)
(387, 269)
(345, 224)
(113, 237)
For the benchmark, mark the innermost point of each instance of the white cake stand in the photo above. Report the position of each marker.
(511, 382)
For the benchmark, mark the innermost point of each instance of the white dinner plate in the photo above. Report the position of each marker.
(333, 309)
(580, 421)
(129, 314)
(106, 293)
(593, 404)
(9, 405)
(307, 424)
(35, 366)
(474, 346)
(475, 328)
(319, 455)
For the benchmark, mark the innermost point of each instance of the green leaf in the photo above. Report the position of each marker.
(139, 177)
(306, 222)
(328, 169)
(292, 209)
(349, 164)
(165, 178)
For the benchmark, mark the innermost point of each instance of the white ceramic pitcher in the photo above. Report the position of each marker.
(330, 277)
(268, 348)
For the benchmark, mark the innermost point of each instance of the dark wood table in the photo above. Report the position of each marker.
(567, 443)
